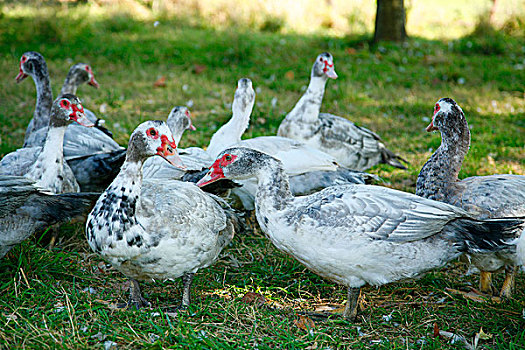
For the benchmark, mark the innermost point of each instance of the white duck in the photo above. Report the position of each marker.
(179, 120)
(354, 234)
(156, 229)
(494, 196)
(309, 169)
(26, 209)
(353, 146)
(45, 165)
(93, 156)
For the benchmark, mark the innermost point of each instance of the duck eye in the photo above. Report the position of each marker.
(228, 157)
(437, 108)
(152, 132)
(65, 103)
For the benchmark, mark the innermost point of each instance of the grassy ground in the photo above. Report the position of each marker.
(63, 298)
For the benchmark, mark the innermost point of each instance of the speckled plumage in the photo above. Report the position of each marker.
(493, 196)
(156, 229)
(26, 209)
(352, 146)
(354, 234)
(46, 164)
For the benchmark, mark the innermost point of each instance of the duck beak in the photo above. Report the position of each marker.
(21, 76)
(175, 161)
(79, 116)
(431, 126)
(93, 83)
(168, 151)
(330, 73)
(210, 177)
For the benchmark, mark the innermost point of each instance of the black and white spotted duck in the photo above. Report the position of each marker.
(354, 147)
(355, 234)
(157, 229)
(492, 196)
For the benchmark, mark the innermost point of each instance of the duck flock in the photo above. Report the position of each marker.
(155, 211)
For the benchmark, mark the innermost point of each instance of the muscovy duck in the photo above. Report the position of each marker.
(151, 229)
(45, 165)
(355, 234)
(353, 146)
(493, 196)
(26, 209)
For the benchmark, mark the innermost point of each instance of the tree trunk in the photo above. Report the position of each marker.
(390, 21)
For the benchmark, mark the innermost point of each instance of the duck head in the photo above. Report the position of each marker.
(153, 138)
(244, 97)
(82, 73)
(324, 66)
(236, 163)
(178, 121)
(68, 108)
(448, 115)
(31, 63)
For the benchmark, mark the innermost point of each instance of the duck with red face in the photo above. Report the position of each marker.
(156, 229)
(492, 196)
(356, 235)
(46, 164)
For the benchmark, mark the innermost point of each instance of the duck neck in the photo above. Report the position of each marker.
(70, 84)
(308, 107)
(442, 169)
(273, 189)
(44, 100)
(229, 134)
(123, 193)
(49, 164)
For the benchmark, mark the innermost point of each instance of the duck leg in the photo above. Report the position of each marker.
(508, 283)
(485, 282)
(352, 304)
(187, 279)
(135, 296)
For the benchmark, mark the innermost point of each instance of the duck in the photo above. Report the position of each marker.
(75, 140)
(45, 165)
(309, 169)
(152, 229)
(93, 156)
(492, 196)
(26, 209)
(353, 146)
(33, 64)
(179, 120)
(359, 234)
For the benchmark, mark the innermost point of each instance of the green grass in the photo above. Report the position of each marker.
(391, 89)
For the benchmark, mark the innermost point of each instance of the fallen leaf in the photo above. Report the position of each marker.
(199, 68)
(253, 298)
(351, 51)
(304, 323)
(289, 75)
(483, 335)
(161, 82)
(474, 295)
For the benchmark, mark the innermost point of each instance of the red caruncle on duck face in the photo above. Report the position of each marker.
(216, 170)
(91, 75)
(21, 75)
